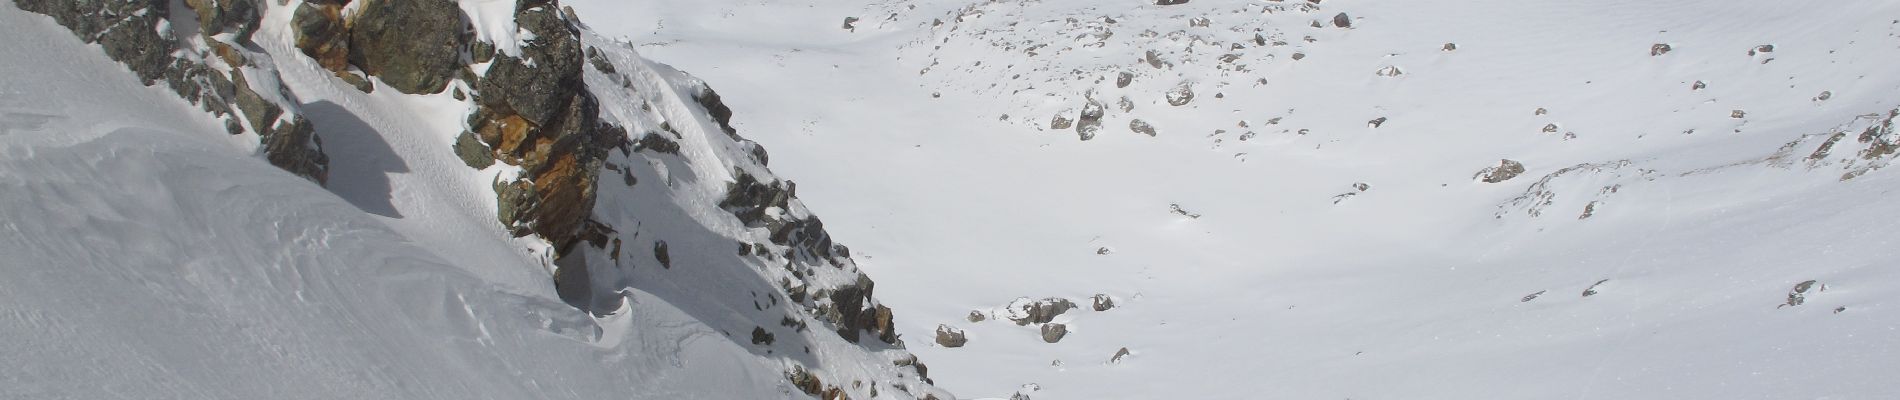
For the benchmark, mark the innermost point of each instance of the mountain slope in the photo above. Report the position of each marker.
(1692, 226)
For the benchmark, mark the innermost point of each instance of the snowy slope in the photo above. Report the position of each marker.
(925, 135)
(152, 255)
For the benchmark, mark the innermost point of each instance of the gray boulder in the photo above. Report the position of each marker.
(1052, 333)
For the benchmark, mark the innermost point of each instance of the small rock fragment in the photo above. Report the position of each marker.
(1799, 295)
(1532, 296)
(1119, 354)
(1659, 49)
(1342, 21)
(976, 316)
(1592, 290)
(1102, 302)
(1504, 171)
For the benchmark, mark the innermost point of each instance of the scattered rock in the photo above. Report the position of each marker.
(761, 337)
(1102, 302)
(1122, 80)
(1589, 210)
(1824, 96)
(1659, 49)
(1299, 56)
(1532, 296)
(951, 337)
(1199, 22)
(1504, 171)
(1361, 186)
(1698, 85)
(660, 254)
(1090, 121)
(1103, 251)
(1389, 71)
(1119, 355)
(1737, 114)
(1052, 333)
(976, 316)
(1450, 46)
(1766, 48)
(1181, 94)
(1540, 111)
(1061, 122)
(1125, 104)
(1342, 21)
(1550, 128)
(1169, 2)
(1799, 294)
(1376, 122)
(1025, 311)
(1177, 210)
(848, 23)
(1141, 127)
(1592, 290)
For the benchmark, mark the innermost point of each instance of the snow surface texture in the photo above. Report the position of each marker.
(1317, 253)
(148, 254)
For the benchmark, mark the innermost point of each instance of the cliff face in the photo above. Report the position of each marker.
(622, 176)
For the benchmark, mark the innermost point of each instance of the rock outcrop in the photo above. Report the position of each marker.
(223, 77)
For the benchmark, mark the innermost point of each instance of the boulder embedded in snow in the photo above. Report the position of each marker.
(1504, 171)
(1342, 21)
(1141, 127)
(1102, 302)
(1090, 121)
(415, 46)
(1061, 122)
(1122, 80)
(976, 316)
(1181, 94)
(1052, 333)
(951, 337)
(1119, 355)
(1660, 49)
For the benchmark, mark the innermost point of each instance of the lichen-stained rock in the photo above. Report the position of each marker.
(415, 46)
(322, 34)
(539, 84)
(239, 17)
